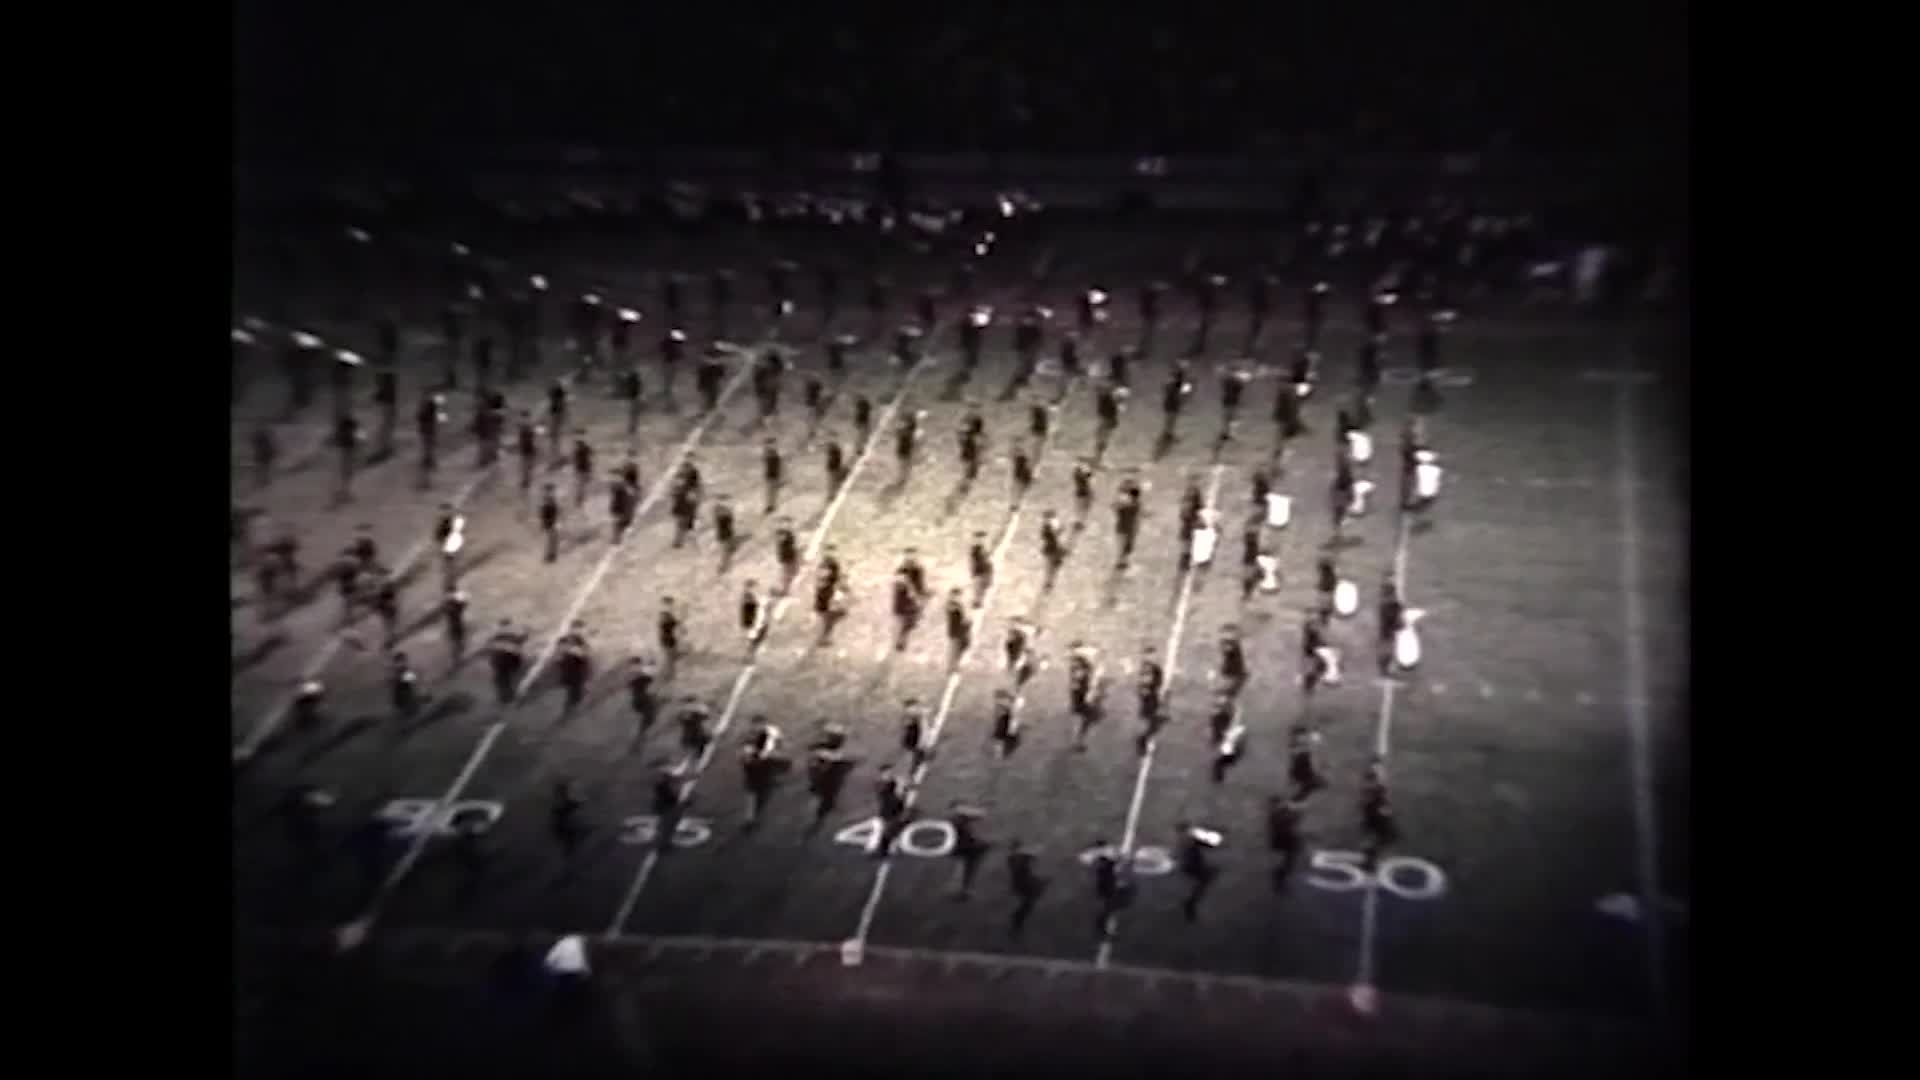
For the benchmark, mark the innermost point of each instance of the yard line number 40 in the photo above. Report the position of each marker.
(1403, 876)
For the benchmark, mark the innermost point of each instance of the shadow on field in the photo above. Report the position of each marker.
(258, 654)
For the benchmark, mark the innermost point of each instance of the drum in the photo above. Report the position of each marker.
(1279, 510)
(1359, 447)
(1426, 480)
(1406, 639)
(1205, 538)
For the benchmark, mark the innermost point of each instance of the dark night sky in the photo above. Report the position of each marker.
(1571, 74)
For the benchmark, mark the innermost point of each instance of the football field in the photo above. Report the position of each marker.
(1538, 753)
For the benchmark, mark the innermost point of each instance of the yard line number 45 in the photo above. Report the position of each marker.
(1404, 876)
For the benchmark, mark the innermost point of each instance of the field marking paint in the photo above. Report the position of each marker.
(1645, 809)
(1623, 376)
(1128, 833)
(1454, 1010)
(1364, 992)
(734, 697)
(271, 721)
(356, 930)
(856, 943)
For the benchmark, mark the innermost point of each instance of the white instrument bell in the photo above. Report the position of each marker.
(1346, 599)
(568, 957)
(1230, 743)
(1357, 504)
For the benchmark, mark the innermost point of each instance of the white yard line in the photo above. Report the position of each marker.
(738, 693)
(271, 721)
(1171, 669)
(856, 944)
(1645, 808)
(356, 930)
(1382, 744)
(274, 717)
(750, 950)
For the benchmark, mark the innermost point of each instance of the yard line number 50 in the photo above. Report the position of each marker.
(1404, 876)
